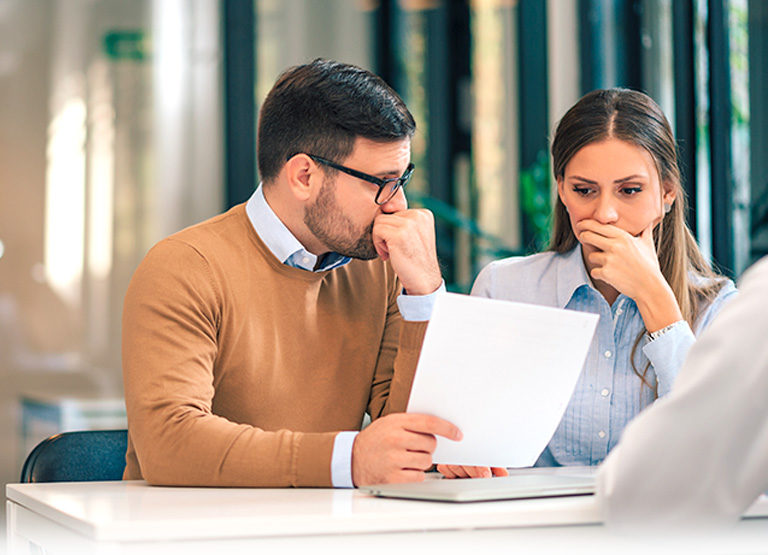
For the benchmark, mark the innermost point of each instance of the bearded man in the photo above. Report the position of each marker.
(255, 342)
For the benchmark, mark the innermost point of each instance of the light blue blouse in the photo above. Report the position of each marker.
(608, 393)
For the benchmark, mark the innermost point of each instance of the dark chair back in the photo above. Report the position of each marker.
(77, 457)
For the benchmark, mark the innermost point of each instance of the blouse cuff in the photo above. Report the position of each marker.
(667, 354)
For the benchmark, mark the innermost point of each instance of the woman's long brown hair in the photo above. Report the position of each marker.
(635, 118)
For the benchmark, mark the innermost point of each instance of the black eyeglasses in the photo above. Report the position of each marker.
(387, 187)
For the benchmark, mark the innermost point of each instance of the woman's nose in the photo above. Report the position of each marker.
(605, 211)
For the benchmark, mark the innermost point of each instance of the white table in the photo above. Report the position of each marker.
(124, 517)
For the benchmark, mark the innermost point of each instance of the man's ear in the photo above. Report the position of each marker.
(302, 175)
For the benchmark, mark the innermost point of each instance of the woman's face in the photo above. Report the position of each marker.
(615, 183)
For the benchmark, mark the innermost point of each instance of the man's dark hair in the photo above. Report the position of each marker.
(320, 108)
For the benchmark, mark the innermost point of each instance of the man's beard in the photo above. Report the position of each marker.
(330, 225)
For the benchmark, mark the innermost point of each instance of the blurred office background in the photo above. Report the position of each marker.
(124, 121)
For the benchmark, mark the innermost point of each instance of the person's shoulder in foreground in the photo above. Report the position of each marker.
(700, 456)
(254, 343)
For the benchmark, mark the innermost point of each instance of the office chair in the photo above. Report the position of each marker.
(77, 457)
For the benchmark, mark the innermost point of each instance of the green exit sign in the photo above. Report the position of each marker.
(126, 45)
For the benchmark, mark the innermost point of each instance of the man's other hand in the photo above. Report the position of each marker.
(398, 448)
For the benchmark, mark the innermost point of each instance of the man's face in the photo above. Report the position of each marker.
(342, 214)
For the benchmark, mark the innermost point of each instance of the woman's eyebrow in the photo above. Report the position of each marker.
(584, 179)
(621, 180)
(630, 177)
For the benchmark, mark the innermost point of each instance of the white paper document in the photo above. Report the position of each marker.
(503, 372)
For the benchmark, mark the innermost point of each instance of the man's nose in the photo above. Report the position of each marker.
(396, 203)
(605, 211)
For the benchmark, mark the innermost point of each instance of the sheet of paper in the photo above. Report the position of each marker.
(503, 372)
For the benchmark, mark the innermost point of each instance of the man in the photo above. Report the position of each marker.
(251, 340)
(700, 455)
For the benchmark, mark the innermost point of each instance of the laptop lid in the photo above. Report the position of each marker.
(515, 486)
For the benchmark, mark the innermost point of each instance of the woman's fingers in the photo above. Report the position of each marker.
(601, 242)
(452, 471)
(604, 230)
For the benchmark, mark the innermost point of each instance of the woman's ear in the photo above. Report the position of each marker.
(669, 196)
(302, 174)
(561, 190)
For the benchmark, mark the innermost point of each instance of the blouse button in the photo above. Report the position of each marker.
(601, 434)
(607, 354)
(605, 392)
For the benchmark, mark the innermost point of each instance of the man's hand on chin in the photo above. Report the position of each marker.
(407, 240)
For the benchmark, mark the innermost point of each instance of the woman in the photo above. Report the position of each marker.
(621, 249)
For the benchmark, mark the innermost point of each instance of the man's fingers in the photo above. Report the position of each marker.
(428, 424)
(416, 460)
(380, 245)
(416, 441)
(407, 240)
(398, 448)
(407, 225)
(416, 216)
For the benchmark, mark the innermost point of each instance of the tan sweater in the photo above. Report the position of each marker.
(239, 370)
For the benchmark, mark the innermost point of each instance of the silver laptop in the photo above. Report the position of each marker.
(519, 485)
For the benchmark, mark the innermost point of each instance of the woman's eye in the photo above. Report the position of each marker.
(629, 191)
(583, 191)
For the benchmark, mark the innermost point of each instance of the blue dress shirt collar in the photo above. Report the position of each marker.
(571, 276)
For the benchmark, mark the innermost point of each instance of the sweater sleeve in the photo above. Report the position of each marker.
(171, 318)
(396, 364)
